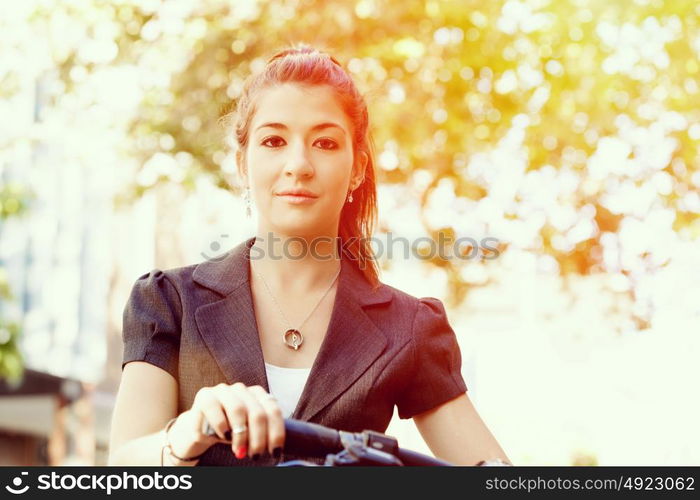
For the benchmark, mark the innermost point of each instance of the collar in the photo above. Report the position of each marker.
(232, 270)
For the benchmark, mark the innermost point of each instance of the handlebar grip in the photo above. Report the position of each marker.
(306, 438)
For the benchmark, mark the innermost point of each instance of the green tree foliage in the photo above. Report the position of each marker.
(593, 100)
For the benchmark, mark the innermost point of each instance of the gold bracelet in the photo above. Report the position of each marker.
(170, 449)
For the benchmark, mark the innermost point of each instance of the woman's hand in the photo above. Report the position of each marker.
(248, 415)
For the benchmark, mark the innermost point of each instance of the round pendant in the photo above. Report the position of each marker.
(293, 338)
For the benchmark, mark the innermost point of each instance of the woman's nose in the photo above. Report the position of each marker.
(298, 163)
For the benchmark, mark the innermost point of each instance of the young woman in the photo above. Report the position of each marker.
(293, 322)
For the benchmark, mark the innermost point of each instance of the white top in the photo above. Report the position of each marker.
(286, 384)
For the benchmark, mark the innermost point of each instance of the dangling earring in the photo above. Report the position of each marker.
(246, 197)
(350, 197)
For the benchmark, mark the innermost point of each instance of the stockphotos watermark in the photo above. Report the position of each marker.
(423, 248)
(101, 482)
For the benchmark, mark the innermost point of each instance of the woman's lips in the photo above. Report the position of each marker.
(297, 199)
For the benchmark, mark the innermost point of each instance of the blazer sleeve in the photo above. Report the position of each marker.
(435, 377)
(151, 323)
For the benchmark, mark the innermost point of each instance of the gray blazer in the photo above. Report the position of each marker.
(383, 348)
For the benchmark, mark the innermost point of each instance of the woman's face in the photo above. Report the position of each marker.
(300, 138)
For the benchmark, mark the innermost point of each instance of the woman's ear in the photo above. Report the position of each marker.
(241, 168)
(358, 171)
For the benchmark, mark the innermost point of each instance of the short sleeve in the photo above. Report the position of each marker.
(151, 323)
(436, 375)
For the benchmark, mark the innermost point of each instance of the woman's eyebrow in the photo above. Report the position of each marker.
(314, 128)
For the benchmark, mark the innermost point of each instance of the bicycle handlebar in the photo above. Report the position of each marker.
(315, 440)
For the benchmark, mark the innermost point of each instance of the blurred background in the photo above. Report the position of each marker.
(567, 130)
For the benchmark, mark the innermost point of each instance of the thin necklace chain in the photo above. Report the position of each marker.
(312, 311)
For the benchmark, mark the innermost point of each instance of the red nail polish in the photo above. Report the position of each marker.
(241, 452)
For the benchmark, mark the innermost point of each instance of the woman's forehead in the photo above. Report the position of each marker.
(295, 106)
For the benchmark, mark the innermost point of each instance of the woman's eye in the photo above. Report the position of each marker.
(272, 142)
(327, 144)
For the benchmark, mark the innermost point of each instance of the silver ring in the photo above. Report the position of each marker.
(239, 429)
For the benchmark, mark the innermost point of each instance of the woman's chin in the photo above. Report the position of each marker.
(301, 227)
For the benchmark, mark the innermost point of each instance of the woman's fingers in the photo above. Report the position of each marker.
(275, 420)
(257, 421)
(237, 415)
(249, 415)
(213, 412)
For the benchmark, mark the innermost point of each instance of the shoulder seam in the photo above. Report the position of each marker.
(177, 292)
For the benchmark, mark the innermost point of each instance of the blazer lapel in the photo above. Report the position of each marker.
(229, 329)
(352, 343)
(228, 326)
